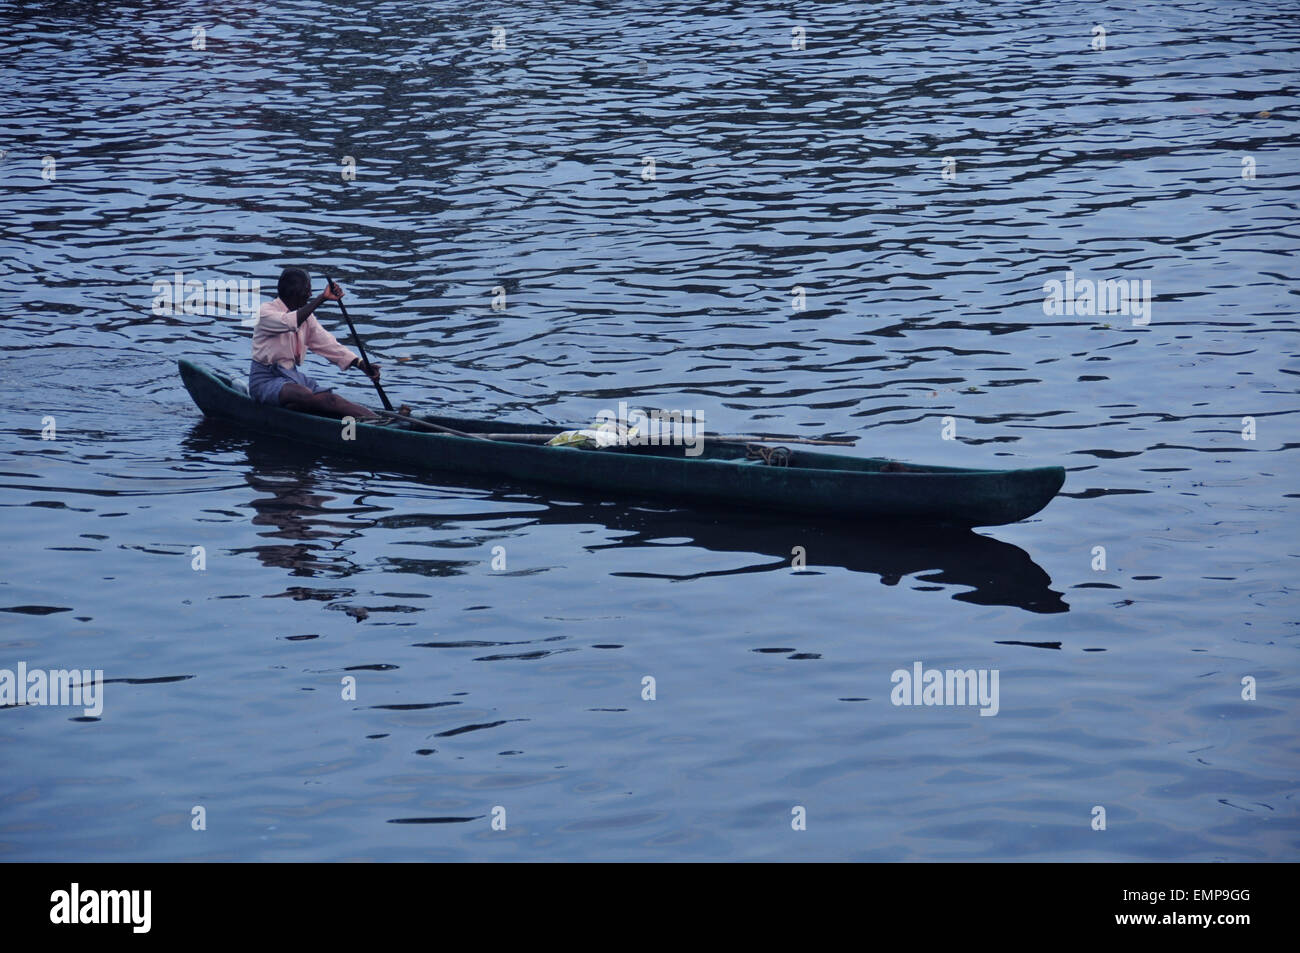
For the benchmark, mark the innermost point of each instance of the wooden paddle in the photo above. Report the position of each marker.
(388, 406)
(361, 348)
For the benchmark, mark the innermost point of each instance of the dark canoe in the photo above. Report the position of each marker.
(814, 483)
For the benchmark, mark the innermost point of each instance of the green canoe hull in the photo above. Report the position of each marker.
(815, 483)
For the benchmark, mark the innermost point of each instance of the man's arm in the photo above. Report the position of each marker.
(329, 294)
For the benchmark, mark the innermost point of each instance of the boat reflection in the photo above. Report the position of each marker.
(998, 573)
(312, 537)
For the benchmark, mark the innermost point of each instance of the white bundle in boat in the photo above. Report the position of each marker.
(594, 438)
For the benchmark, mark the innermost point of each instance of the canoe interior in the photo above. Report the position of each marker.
(802, 458)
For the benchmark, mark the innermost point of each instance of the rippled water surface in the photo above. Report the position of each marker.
(525, 169)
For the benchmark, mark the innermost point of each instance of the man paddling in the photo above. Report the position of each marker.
(286, 329)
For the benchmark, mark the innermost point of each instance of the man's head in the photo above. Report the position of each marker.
(294, 288)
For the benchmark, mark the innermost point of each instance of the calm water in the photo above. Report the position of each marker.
(520, 687)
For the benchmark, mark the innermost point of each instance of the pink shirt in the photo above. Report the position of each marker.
(279, 339)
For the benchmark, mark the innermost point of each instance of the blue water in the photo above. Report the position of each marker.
(520, 688)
